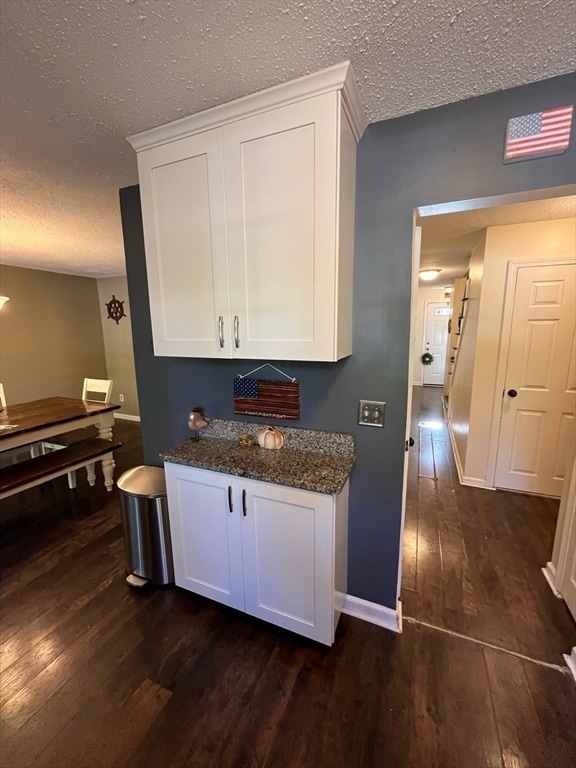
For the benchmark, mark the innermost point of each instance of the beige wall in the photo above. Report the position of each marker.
(50, 334)
(458, 289)
(474, 419)
(463, 372)
(118, 345)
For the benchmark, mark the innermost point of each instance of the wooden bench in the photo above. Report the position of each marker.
(26, 474)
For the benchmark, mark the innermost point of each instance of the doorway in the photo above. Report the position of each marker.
(437, 316)
(486, 573)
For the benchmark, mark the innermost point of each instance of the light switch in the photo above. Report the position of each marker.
(371, 413)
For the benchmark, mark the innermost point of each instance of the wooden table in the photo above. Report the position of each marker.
(35, 421)
(39, 419)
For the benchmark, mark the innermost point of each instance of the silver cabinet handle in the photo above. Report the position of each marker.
(230, 504)
(236, 331)
(221, 330)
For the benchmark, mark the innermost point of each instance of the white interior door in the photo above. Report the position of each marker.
(436, 340)
(537, 422)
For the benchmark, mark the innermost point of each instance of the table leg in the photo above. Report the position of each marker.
(105, 426)
(104, 432)
(91, 473)
(108, 471)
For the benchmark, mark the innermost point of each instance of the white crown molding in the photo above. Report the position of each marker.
(340, 77)
(352, 104)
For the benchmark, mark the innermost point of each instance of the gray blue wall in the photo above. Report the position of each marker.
(446, 154)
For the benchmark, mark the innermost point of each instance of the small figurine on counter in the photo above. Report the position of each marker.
(246, 440)
(197, 421)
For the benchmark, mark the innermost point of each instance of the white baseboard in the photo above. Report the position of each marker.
(473, 482)
(571, 661)
(477, 482)
(126, 417)
(374, 612)
(455, 452)
(550, 575)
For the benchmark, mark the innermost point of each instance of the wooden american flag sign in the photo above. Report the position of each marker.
(538, 134)
(262, 397)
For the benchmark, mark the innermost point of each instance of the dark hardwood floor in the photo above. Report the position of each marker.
(472, 557)
(96, 674)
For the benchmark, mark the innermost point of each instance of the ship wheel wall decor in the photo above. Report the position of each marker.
(115, 309)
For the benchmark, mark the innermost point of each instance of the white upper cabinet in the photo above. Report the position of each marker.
(185, 240)
(248, 213)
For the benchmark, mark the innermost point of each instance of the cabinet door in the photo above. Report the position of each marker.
(288, 556)
(205, 532)
(281, 203)
(183, 206)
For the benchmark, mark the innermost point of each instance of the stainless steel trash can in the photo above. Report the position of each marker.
(146, 526)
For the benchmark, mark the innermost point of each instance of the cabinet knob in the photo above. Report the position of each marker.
(512, 393)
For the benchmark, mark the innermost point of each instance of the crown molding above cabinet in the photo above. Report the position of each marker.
(340, 77)
(248, 212)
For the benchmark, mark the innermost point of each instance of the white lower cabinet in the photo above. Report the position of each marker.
(275, 552)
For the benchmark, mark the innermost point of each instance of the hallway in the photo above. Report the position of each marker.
(473, 557)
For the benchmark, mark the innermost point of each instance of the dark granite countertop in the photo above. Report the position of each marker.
(312, 470)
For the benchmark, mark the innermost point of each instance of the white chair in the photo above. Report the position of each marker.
(11, 453)
(102, 388)
(93, 390)
(5, 454)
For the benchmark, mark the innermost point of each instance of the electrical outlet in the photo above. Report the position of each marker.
(121, 398)
(371, 413)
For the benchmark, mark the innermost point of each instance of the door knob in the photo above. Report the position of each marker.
(512, 393)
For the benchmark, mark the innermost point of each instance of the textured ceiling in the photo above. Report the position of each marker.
(78, 76)
(448, 239)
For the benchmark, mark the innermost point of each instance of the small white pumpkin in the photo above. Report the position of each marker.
(268, 437)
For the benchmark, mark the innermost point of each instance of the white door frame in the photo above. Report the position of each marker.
(505, 330)
(414, 344)
(565, 534)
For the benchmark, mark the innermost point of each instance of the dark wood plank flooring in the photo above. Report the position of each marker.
(473, 557)
(95, 674)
